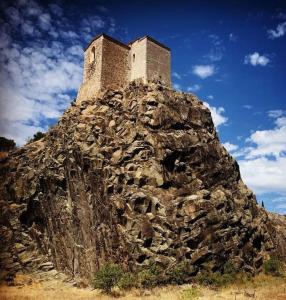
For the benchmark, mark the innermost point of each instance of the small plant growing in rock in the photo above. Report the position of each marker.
(107, 277)
(37, 136)
(273, 266)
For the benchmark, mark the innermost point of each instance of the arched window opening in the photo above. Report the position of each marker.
(93, 54)
(133, 57)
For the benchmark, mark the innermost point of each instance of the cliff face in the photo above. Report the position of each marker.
(134, 176)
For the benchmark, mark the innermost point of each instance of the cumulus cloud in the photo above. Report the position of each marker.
(269, 142)
(255, 59)
(264, 175)
(262, 161)
(217, 115)
(40, 73)
(203, 71)
(194, 88)
(278, 32)
(230, 147)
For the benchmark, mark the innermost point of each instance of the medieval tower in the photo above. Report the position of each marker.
(109, 63)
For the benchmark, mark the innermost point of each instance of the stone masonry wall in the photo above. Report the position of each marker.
(114, 65)
(91, 71)
(158, 63)
(110, 64)
(137, 59)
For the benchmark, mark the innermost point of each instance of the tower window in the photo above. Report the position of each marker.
(133, 57)
(93, 54)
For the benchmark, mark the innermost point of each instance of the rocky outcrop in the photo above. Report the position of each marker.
(133, 176)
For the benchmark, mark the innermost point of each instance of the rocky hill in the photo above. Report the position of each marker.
(135, 177)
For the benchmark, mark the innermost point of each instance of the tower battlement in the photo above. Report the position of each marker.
(108, 63)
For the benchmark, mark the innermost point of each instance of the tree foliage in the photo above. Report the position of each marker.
(6, 144)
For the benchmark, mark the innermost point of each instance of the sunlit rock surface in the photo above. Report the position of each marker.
(135, 177)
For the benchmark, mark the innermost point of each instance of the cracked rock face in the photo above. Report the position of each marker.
(135, 177)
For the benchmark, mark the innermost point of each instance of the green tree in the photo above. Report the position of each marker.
(6, 144)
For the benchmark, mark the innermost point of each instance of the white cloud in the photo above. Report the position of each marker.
(247, 106)
(176, 75)
(279, 32)
(217, 48)
(230, 147)
(281, 122)
(217, 115)
(204, 71)
(269, 142)
(39, 76)
(177, 86)
(255, 59)
(264, 175)
(263, 163)
(210, 97)
(194, 88)
(45, 21)
(275, 113)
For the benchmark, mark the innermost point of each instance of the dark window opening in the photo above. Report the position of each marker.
(133, 57)
(93, 54)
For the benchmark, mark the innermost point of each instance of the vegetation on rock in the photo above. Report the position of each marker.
(6, 144)
(273, 266)
(37, 136)
(108, 277)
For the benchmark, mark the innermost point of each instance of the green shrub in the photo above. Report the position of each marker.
(6, 144)
(152, 276)
(191, 294)
(179, 274)
(37, 136)
(214, 278)
(127, 281)
(229, 269)
(273, 266)
(107, 277)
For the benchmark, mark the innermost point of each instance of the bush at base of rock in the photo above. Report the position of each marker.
(180, 273)
(151, 277)
(127, 281)
(273, 267)
(107, 277)
(216, 278)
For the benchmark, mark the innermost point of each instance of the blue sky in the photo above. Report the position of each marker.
(229, 53)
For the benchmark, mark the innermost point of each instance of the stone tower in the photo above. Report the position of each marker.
(109, 63)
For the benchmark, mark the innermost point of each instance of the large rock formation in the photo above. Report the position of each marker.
(133, 176)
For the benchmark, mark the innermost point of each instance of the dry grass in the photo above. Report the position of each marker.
(29, 288)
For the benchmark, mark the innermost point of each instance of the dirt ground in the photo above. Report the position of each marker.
(30, 288)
